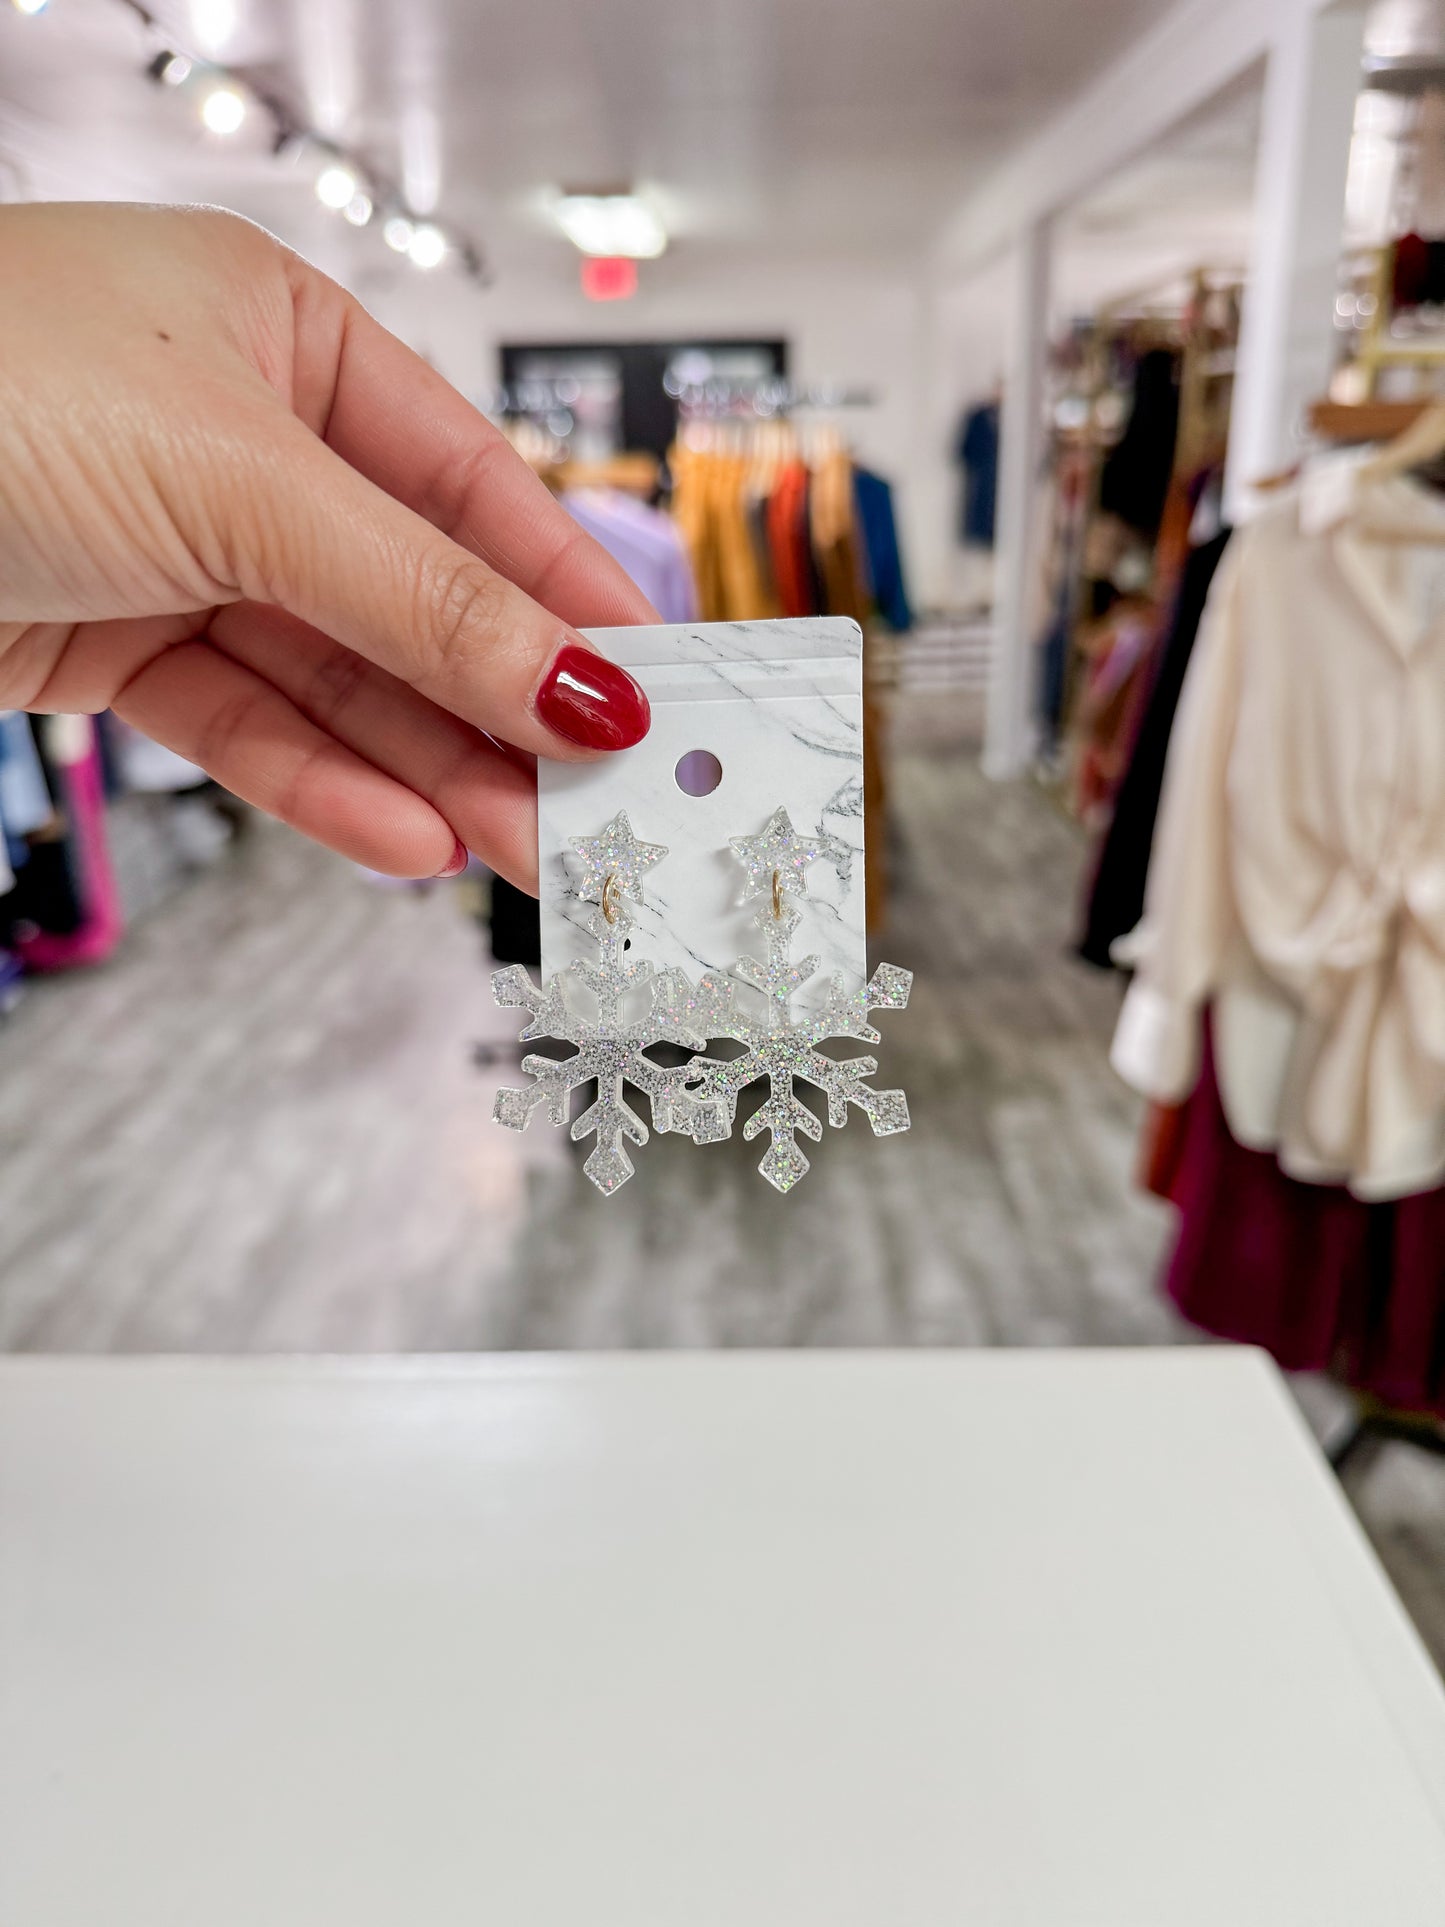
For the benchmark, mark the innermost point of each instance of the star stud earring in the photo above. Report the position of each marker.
(613, 865)
(777, 861)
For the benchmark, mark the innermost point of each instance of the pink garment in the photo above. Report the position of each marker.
(84, 801)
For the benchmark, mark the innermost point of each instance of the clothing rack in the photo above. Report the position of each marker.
(1193, 315)
(765, 396)
(1380, 348)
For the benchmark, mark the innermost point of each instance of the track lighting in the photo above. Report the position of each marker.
(336, 186)
(428, 246)
(223, 109)
(172, 70)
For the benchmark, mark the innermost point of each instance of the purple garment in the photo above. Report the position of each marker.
(646, 542)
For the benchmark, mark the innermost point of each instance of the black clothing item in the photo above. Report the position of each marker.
(1135, 478)
(516, 925)
(49, 892)
(1116, 897)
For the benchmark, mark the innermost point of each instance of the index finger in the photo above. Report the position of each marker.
(392, 417)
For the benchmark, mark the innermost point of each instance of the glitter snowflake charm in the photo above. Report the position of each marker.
(781, 1047)
(612, 1012)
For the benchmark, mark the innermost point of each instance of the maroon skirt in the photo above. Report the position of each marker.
(1322, 1281)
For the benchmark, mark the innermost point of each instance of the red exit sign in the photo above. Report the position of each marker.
(608, 277)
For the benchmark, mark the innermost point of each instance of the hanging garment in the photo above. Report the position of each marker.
(1064, 514)
(1298, 875)
(1116, 896)
(1322, 1280)
(514, 924)
(756, 495)
(46, 890)
(788, 541)
(1118, 659)
(976, 450)
(1135, 478)
(693, 512)
(744, 597)
(73, 909)
(834, 537)
(25, 803)
(878, 527)
(647, 544)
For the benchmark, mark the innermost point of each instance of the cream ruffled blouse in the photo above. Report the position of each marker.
(1297, 884)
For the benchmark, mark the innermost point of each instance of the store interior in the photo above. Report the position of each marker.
(1044, 297)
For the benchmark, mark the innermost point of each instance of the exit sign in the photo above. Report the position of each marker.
(607, 277)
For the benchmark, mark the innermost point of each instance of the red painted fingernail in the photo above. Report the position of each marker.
(590, 701)
(458, 861)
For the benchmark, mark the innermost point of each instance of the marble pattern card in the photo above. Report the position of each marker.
(772, 713)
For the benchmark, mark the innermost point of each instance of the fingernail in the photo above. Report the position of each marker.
(591, 702)
(458, 863)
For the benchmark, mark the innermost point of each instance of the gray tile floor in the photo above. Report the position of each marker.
(260, 1129)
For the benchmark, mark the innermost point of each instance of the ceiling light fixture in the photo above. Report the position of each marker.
(223, 110)
(336, 186)
(30, 6)
(428, 246)
(611, 224)
(227, 97)
(214, 22)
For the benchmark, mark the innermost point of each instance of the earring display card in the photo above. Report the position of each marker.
(757, 716)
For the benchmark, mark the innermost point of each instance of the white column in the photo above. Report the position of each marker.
(1287, 341)
(1009, 732)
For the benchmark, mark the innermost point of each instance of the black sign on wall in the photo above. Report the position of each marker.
(631, 387)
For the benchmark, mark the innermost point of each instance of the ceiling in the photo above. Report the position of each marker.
(1188, 202)
(781, 126)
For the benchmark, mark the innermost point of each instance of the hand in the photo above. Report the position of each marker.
(238, 512)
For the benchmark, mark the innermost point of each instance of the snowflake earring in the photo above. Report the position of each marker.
(781, 1046)
(632, 1007)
